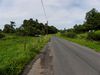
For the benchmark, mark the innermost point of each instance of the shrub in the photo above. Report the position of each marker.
(94, 35)
(1, 35)
(82, 36)
(70, 34)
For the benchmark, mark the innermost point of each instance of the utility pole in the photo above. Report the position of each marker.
(46, 28)
(46, 24)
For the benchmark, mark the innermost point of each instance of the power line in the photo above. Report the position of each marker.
(44, 10)
(46, 27)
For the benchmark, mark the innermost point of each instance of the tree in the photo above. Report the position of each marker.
(34, 28)
(0, 30)
(52, 30)
(30, 27)
(9, 28)
(79, 28)
(93, 19)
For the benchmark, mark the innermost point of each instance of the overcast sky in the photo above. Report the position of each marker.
(60, 13)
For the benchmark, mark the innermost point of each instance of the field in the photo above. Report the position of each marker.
(17, 51)
(81, 39)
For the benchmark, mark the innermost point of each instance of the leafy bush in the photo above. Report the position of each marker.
(94, 35)
(82, 36)
(70, 34)
(1, 35)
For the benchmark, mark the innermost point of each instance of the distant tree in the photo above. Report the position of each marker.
(31, 28)
(52, 30)
(12, 23)
(70, 30)
(0, 30)
(92, 22)
(9, 28)
(79, 28)
(93, 19)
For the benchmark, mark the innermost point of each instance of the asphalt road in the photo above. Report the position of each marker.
(72, 59)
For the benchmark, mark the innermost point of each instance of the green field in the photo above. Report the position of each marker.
(17, 51)
(81, 39)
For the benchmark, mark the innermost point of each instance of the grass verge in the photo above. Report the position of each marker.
(13, 54)
(81, 39)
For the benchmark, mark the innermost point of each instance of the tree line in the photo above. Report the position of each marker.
(30, 28)
(91, 23)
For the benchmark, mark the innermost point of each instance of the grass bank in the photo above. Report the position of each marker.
(13, 54)
(81, 39)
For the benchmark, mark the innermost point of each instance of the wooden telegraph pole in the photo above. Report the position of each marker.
(46, 28)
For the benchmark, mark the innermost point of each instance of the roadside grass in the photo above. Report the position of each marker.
(13, 55)
(81, 39)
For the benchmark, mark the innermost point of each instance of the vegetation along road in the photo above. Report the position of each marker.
(72, 59)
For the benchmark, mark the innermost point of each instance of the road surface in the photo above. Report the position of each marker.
(72, 59)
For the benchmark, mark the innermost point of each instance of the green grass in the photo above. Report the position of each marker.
(13, 55)
(81, 39)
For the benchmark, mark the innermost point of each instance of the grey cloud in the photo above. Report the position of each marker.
(61, 13)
